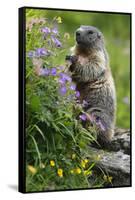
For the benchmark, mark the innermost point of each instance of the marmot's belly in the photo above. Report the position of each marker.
(100, 96)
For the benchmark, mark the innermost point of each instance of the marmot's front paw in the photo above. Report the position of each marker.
(72, 59)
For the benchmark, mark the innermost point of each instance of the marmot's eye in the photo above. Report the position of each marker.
(90, 32)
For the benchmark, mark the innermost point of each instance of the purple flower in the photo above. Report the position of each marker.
(77, 94)
(72, 86)
(30, 54)
(56, 41)
(62, 81)
(55, 30)
(65, 77)
(83, 117)
(63, 90)
(44, 72)
(46, 30)
(100, 123)
(41, 52)
(68, 78)
(53, 71)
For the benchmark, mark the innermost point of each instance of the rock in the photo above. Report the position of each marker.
(115, 159)
(121, 140)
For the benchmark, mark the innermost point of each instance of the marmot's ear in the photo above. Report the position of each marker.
(99, 35)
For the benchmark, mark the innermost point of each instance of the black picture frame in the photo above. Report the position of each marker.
(22, 96)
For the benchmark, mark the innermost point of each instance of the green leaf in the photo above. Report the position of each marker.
(35, 103)
(39, 130)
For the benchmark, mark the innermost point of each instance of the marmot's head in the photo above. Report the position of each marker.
(89, 36)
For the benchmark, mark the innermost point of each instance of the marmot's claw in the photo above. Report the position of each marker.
(72, 59)
(68, 57)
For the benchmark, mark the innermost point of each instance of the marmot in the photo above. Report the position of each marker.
(91, 72)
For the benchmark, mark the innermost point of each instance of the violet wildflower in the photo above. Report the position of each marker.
(65, 77)
(68, 78)
(45, 30)
(72, 86)
(62, 81)
(55, 30)
(41, 52)
(30, 54)
(83, 117)
(53, 71)
(61, 75)
(100, 123)
(44, 72)
(63, 90)
(77, 94)
(56, 41)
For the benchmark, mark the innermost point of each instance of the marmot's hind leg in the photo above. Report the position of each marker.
(104, 137)
(105, 128)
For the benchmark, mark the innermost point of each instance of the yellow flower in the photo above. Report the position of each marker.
(84, 162)
(32, 169)
(87, 172)
(59, 20)
(71, 171)
(60, 172)
(73, 156)
(110, 178)
(78, 170)
(52, 163)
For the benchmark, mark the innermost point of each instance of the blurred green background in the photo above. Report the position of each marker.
(116, 30)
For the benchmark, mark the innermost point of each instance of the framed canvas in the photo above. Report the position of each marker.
(74, 99)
